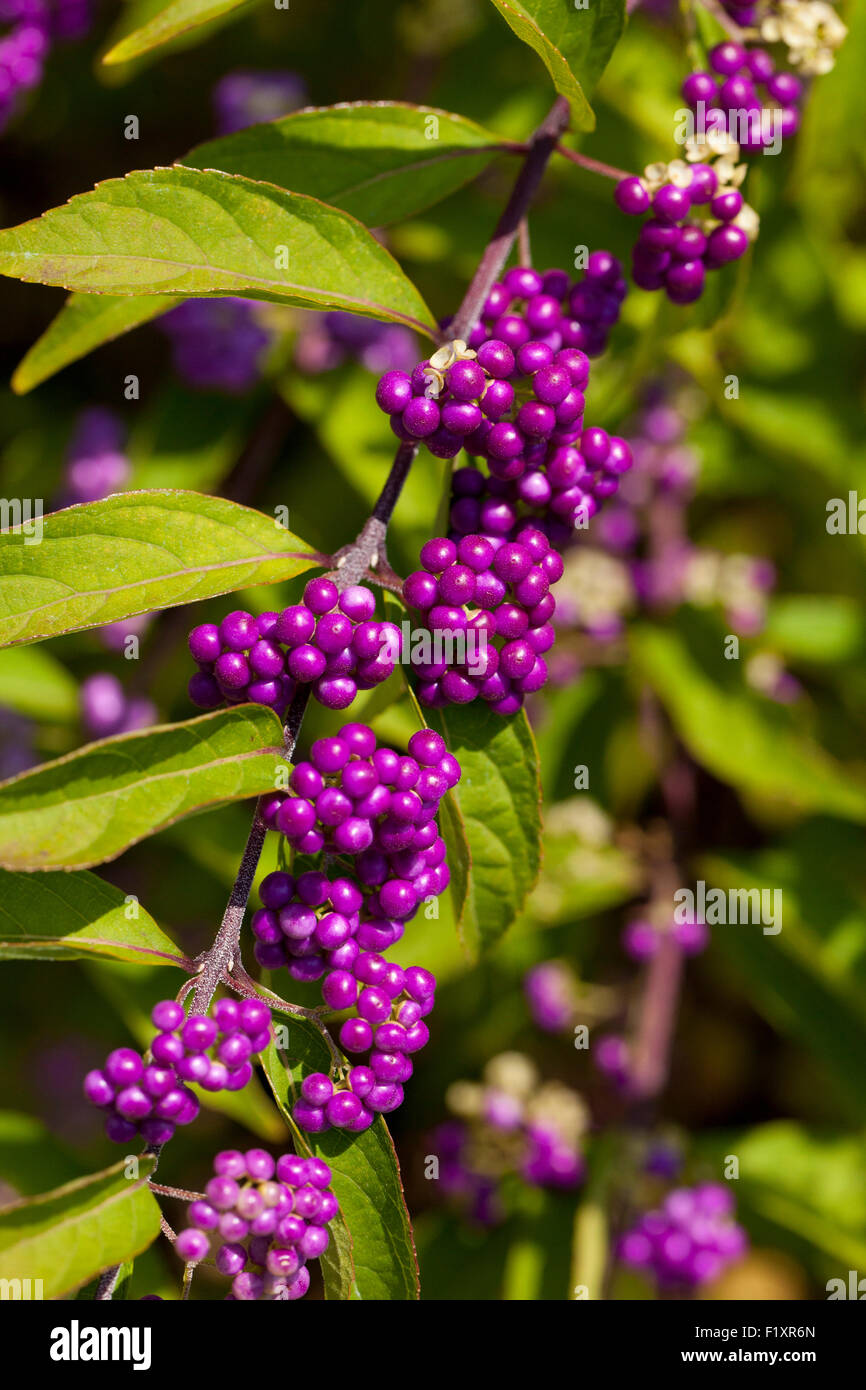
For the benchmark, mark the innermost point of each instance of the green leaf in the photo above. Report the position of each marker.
(815, 627)
(372, 1253)
(33, 682)
(574, 44)
(134, 552)
(584, 871)
(793, 980)
(72, 916)
(184, 231)
(811, 1185)
(67, 1236)
(176, 18)
(85, 322)
(498, 801)
(91, 805)
(742, 740)
(381, 161)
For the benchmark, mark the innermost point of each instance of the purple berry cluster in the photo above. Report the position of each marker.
(106, 709)
(510, 1123)
(355, 798)
(561, 490)
(378, 809)
(217, 344)
(139, 1097)
(551, 993)
(149, 1095)
(745, 95)
(528, 306)
(674, 251)
(266, 1219)
(330, 641)
(96, 462)
(478, 592)
(325, 341)
(248, 97)
(31, 26)
(689, 1240)
(388, 1024)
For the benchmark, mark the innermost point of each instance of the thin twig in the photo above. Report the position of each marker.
(541, 147)
(179, 1192)
(524, 246)
(592, 166)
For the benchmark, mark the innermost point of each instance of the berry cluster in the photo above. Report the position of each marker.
(96, 461)
(689, 1240)
(388, 1025)
(552, 996)
(147, 1095)
(510, 1123)
(329, 641)
(246, 97)
(139, 1097)
(527, 305)
(325, 341)
(560, 491)
(476, 591)
(680, 243)
(106, 709)
(378, 808)
(32, 26)
(642, 937)
(355, 798)
(217, 344)
(744, 95)
(270, 1219)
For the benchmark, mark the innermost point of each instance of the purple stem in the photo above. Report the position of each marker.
(540, 148)
(593, 166)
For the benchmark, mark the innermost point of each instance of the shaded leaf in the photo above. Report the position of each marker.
(90, 805)
(33, 682)
(67, 1236)
(30, 1157)
(134, 552)
(739, 738)
(183, 231)
(85, 322)
(795, 984)
(574, 44)
(177, 17)
(498, 801)
(381, 161)
(70, 916)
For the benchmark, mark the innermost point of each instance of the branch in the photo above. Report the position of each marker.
(360, 560)
(541, 147)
